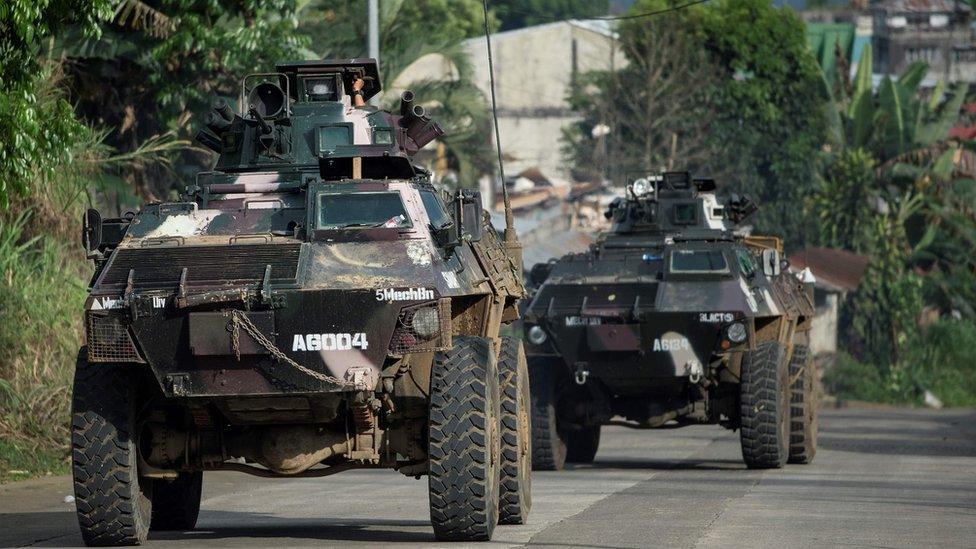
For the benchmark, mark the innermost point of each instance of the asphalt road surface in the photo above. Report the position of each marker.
(883, 478)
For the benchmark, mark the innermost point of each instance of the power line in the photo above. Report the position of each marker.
(617, 17)
(650, 13)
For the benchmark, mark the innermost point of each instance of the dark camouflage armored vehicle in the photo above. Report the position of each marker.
(671, 318)
(311, 306)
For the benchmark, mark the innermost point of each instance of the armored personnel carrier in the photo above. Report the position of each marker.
(671, 319)
(312, 305)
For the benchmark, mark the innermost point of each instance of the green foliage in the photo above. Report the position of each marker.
(516, 14)
(850, 379)
(34, 135)
(752, 97)
(41, 294)
(937, 358)
(841, 200)
(157, 65)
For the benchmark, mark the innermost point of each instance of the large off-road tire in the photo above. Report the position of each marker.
(582, 444)
(765, 407)
(464, 442)
(114, 505)
(515, 500)
(548, 444)
(176, 504)
(803, 406)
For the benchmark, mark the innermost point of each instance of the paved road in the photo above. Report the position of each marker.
(883, 478)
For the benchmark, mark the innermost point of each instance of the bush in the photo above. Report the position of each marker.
(940, 359)
(42, 294)
(937, 358)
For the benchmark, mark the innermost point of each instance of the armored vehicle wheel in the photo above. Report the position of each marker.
(114, 505)
(582, 444)
(548, 444)
(176, 504)
(765, 407)
(516, 484)
(803, 406)
(463, 441)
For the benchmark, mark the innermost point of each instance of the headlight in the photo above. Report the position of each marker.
(427, 322)
(537, 336)
(642, 187)
(736, 332)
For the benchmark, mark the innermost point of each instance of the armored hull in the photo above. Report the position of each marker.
(655, 322)
(313, 305)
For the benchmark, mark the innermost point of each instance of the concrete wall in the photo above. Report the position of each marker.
(534, 70)
(823, 333)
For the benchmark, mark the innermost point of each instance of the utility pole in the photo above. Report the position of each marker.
(374, 36)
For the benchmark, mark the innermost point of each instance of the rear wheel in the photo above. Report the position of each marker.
(765, 407)
(582, 444)
(114, 505)
(463, 441)
(548, 444)
(516, 466)
(176, 504)
(803, 406)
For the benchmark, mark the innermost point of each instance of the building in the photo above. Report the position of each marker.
(534, 73)
(837, 273)
(934, 31)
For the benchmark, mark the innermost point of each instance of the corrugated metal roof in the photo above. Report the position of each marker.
(921, 6)
(840, 269)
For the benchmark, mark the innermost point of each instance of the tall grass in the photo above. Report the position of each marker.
(937, 358)
(44, 278)
(41, 296)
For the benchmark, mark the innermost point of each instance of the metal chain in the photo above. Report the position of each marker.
(240, 320)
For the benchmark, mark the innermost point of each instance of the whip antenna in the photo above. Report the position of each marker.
(510, 236)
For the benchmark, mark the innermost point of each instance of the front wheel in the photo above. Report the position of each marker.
(765, 407)
(463, 441)
(548, 443)
(114, 505)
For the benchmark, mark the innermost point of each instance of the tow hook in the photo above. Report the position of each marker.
(581, 375)
(695, 371)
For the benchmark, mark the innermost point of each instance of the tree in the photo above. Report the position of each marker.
(751, 100)
(897, 188)
(654, 115)
(157, 65)
(35, 136)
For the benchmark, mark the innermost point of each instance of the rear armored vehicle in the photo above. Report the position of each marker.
(312, 305)
(671, 318)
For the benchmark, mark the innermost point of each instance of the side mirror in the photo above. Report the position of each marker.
(446, 236)
(771, 262)
(91, 230)
(469, 213)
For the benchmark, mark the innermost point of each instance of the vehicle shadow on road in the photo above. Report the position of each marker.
(228, 525)
(660, 464)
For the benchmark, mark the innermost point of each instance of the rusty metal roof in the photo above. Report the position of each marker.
(921, 6)
(838, 269)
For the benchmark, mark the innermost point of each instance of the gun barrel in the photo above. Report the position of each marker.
(222, 108)
(265, 127)
(406, 102)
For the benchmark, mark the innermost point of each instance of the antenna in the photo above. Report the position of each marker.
(510, 236)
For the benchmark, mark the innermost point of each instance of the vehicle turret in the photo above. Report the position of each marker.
(675, 204)
(305, 114)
